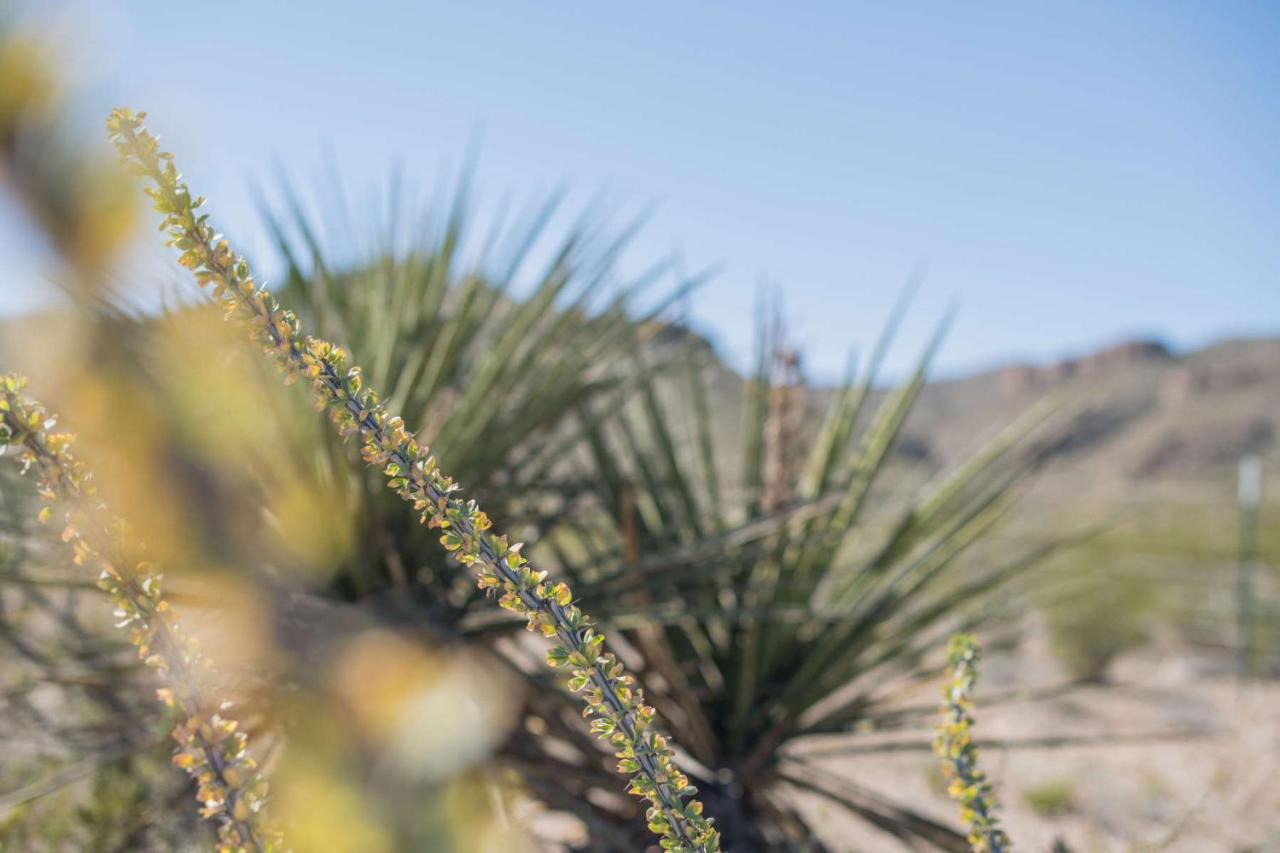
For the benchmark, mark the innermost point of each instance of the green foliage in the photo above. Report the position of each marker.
(1168, 569)
(954, 745)
(124, 804)
(1106, 614)
(763, 625)
(1051, 799)
(476, 347)
(617, 711)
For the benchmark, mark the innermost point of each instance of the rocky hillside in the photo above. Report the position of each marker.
(1145, 420)
(1146, 413)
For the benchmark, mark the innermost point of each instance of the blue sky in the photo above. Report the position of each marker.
(1071, 175)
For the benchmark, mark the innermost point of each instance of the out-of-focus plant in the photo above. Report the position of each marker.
(1099, 613)
(954, 744)
(211, 747)
(73, 197)
(767, 614)
(385, 740)
(1053, 798)
(120, 811)
(616, 709)
(85, 753)
(79, 719)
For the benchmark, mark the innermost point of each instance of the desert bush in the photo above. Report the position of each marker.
(125, 805)
(86, 756)
(1051, 799)
(1105, 613)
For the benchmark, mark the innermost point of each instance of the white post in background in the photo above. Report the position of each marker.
(1249, 496)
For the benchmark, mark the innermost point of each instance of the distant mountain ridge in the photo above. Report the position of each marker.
(1147, 413)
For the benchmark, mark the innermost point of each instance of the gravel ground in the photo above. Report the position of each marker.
(1174, 755)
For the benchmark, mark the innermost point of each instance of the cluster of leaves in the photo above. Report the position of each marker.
(954, 745)
(763, 626)
(490, 356)
(617, 710)
(231, 789)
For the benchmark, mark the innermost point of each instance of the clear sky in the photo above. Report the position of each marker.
(1071, 174)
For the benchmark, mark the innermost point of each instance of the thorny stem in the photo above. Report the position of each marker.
(954, 745)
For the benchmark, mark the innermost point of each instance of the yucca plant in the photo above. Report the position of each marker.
(652, 527)
(488, 343)
(770, 613)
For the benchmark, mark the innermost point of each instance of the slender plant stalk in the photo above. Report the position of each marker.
(230, 787)
(615, 707)
(954, 745)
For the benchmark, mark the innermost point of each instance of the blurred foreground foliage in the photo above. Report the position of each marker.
(772, 588)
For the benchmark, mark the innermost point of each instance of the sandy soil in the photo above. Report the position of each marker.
(1174, 756)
